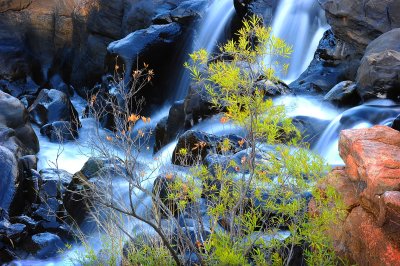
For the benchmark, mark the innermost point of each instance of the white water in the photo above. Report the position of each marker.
(209, 33)
(301, 23)
(377, 112)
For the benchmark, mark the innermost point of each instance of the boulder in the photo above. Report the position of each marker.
(262, 8)
(358, 22)
(379, 73)
(14, 116)
(8, 177)
(170, 128)
(334, 61)
(59, 131)
(51, 106)
(185, 13)
(344, 94)
(44, 245)
(155, 46)
(370, 187)
(194, 146)
(311, 128)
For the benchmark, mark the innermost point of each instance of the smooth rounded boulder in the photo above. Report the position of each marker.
(14, 116)
(379, 73)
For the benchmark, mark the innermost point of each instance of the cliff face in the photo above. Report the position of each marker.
(370, 187)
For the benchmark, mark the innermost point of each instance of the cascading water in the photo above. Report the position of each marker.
(301, 23)
(377, 112)
(209, 33)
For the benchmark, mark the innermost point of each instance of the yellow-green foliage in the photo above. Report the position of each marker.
(273, 190)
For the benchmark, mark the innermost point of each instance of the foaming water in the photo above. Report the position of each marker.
(312, 106)
(301, 23)
(378, 112)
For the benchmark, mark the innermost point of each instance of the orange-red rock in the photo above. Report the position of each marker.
(370, 187)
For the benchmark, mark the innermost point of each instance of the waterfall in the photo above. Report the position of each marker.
(376, 112)
(301, 23)
(210, 31)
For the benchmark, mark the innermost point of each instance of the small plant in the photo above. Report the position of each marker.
(250, 210)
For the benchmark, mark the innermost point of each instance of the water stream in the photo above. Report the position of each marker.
(210, 32)
(302, 24)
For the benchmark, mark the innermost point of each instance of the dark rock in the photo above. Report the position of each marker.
(334, 61)
(168, 129)
(8, 177)
(396, 123)
(28, 162)
(26, 220)
(272, 89)
(20, 87)
(311, 128)
(7, 255)
(77, 198)
(344, 94)
(197, 105)
(162, 188)
(59, 131)
(15, 116)
(379, 72)
(27, 193)
(185, 13)
(51, 106)
(44, 245)
(193, 146)
(54, 182)
(263, 8)
(358, 22)
(155, 46)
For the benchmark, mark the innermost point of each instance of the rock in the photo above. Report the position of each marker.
(196, 105)
(13, 115)
(54, 182)
(59, 131)
(44, 245)
(155, 46)
(51, 106)
(344, 94)
(273, 89)
(358, 22)
(28, 162)
(170, 127)
(379, 72)
(263, 8)
(311, 128)
(396, 123)
(334, 61)
(20, 87)
(370, 187)
(185, 13)
(359, 150)
(77, 198)
(8, 177)
(193, 146)
(162, 188)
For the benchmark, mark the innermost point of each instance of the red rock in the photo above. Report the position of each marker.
(370, 187)
(366, 243)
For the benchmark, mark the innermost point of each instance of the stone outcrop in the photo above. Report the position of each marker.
(334, 61)
(358, 22)
(379, 73)
(370, 187)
